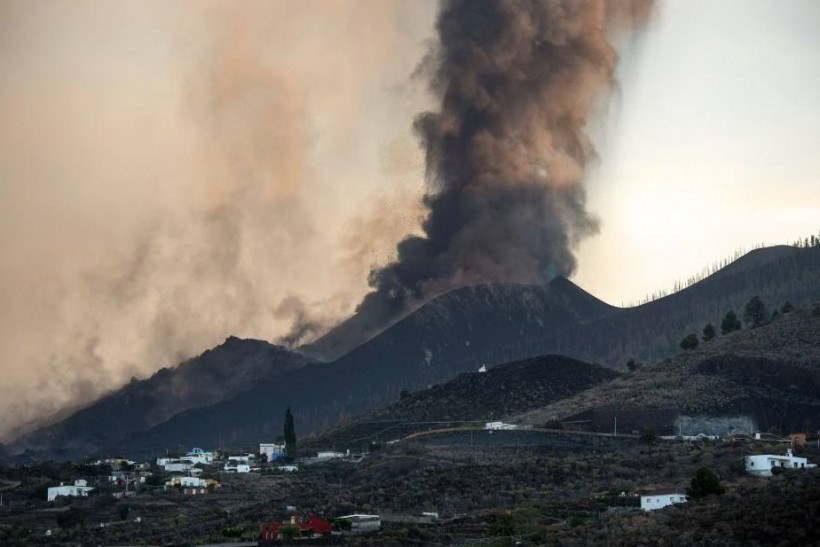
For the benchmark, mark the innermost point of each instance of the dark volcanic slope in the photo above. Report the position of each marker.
(457, 332)
(217, 375)
(477, 396)
(652, 332)
(770, 374)
(501, 391)
(512, 308)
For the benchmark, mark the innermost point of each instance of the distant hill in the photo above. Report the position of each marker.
(217, 375)
(454, 333)
(502, 391)
(652, 331)
(770, 375)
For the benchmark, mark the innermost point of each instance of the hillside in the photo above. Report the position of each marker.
(770, 374)
(652, 331)
(454, 333)
(779, 511)
(217, 375)
(504, 390)
(469, 314)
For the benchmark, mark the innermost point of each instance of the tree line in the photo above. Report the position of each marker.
(755, 314)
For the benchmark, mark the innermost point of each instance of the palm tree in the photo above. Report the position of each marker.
(649, 438)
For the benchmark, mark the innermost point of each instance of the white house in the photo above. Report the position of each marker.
(762, 464)
(330, 455)
(191, 485)
(242, 458)
(193, 482)
(363, 523)
(79, 489)
(197, 455)
(237, 467)
(274, 451)
(175, 465)
(496, 426)
(652, 502)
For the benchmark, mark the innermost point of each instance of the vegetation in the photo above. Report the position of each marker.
(704, 483)
(730, 323)
(648, 438)
(755, 312)
(289, 531)
(289, 436)
(689, 342)
(708, 332)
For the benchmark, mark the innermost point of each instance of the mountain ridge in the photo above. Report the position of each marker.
(455, 333)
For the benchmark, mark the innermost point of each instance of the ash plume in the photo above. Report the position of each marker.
(506, 151)
(202, 173)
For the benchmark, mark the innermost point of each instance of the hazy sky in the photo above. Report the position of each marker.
(711, 146)
(173, 173)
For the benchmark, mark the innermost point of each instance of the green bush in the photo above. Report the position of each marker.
(689, 342)
(704, 483)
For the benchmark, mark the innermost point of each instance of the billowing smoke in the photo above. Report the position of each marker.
(506, 152)
(171, 175)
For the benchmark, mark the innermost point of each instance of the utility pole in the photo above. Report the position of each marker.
(615, 431)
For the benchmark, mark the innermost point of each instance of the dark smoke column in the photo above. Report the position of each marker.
(506, 153)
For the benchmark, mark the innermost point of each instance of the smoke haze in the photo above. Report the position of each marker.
(173, 174)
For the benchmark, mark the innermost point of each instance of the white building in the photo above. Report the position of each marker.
(173, 465)
(191, 485)
(763, 464)
(274, 451)
(363, 523)
(237, 467)
(288, 468)
(197, 455)
(496, 426)
(242, 458)
(79, 489)
(193, 482)
(652, 502)
(330, 455)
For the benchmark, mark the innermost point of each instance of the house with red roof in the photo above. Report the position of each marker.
(313, 526)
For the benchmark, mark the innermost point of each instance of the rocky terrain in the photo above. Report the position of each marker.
(771, 373)
(455, 333)
(477, 397)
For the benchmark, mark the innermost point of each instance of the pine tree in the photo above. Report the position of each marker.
(730, 323)
(708, 332)
(755, 312)
(690, 342)
(704, 483)
(290, 437)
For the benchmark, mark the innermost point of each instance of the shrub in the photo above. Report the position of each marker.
(704, 483)
(689, 342)
(730, 323)
(289, 531)
(755, 312)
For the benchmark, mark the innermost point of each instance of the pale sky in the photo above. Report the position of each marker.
(712, 145)
(156, 196)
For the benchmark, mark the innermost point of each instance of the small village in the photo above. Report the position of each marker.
(218, 475)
